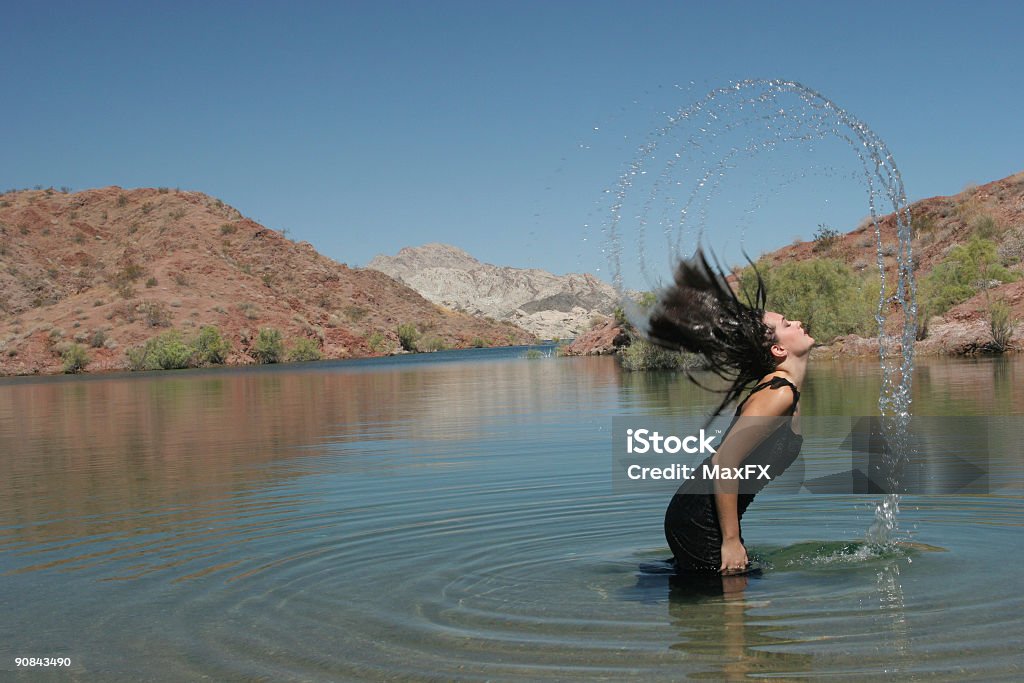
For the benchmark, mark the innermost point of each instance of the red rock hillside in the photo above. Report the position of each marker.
(111, 268)
(994, 211)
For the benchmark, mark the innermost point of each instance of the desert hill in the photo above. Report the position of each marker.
(111, 268)
(993, 211)
(547, 305)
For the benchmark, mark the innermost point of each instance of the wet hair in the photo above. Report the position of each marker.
(700, 313)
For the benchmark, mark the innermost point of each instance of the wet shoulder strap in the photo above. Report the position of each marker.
(774, 383)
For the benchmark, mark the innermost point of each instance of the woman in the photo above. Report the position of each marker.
(743, 344)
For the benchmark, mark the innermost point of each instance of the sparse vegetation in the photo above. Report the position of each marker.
(376, 342)
(643, 355)
(408, 335)
(355, 313)
(165, 352)
(74, 358)
(98, 339)
(268, 347)
(210, 347)
(825, 237)
(966, 270)
(304, 350)
(1000, 325)
(248, 309)
(431, 343)
(228, 229)
(984, 226)
(155, 313)
(151, 282)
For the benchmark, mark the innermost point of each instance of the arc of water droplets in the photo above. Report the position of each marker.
(751, 105)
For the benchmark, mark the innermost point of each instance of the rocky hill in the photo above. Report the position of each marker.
(993, 211)
(111, 268)
(548, 305)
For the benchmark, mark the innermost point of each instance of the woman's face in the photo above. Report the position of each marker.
(789, 334)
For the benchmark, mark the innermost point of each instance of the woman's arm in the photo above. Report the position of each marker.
(764, 413)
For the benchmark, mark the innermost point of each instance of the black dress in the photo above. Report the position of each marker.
(691, 521)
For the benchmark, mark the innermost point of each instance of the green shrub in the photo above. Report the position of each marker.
(408, 335)
(432, 343)
(164, 352)
(210, 347)
(1000, 325)
(966, 270)
(155, 313)
(151, 282)
(268, 347)
(643, 355)
(75, 358)
(227, 229)
(99, 338)
(824, 237)
(305, 349)
(825, 294)
(478, 343)
(376, 342)
(985, 227)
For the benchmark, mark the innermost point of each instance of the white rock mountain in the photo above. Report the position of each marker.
(546, 304)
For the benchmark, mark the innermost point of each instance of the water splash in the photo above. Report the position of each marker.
(684, 165)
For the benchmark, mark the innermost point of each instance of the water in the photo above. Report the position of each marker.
(451, 517)
(683, 167)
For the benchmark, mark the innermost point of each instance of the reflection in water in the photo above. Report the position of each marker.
(78, 454)
(429, 521)
(720, 635)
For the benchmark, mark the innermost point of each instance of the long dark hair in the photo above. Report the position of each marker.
(700, 313)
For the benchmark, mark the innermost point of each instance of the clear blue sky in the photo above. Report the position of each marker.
(495, 126)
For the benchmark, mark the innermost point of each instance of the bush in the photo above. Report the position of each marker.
(408, 335)
(305, 349)
(210, 347)
(643, 355)
(75, 358)
(432, 343)
(824, 237)
(376, 342)
(99, 338)
(155, 313)
(1001, 325)
(985, 227)
(165, 352)
(268, 347)
(823, 293)
(966, 270)
(151, 282)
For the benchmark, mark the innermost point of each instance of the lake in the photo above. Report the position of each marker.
(451, 516)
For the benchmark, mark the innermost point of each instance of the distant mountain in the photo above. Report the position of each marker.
(111, 268)
(547, 305)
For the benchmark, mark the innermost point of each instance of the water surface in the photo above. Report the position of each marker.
(451, 516)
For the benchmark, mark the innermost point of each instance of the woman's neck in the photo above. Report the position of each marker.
(793, 369)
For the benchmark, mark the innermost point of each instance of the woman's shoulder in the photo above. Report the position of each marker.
(774, 395)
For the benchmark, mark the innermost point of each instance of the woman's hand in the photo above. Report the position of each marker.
(734, 556)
